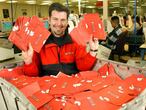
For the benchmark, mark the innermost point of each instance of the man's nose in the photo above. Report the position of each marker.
(59, 22)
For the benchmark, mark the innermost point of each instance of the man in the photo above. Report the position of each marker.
(112, 40)
(114, 34)
(60, 53)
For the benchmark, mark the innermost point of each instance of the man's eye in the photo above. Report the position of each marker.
(55, 19)
(64, 20)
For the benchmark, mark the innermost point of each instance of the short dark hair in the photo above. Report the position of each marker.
(58, 7)
(115, 19)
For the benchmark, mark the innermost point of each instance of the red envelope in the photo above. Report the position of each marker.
(88, 74)
(70, 106)
(38, 34)
(29, 30)
(108, 70)
(66, 85)
(18, 39)
(57, 104)
(39, 99)
(90, 101)
(101, 83)
(30, 89)
(118, 94)
(78, 37)
(17, 35)
(138, 81)
(23, 81)
(84, 33)
(90, 25)
(9, 74)
(94, 25)
(46, 82)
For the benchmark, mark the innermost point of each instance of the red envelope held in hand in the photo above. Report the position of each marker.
(29, 30)
(90, 25)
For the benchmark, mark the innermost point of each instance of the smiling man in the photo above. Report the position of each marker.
(60, 53)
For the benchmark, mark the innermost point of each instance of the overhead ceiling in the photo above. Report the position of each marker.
(72, 3)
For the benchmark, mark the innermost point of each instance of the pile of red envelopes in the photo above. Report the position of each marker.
(29, 30)
(11, 73)
(89, 25)
(89, 90)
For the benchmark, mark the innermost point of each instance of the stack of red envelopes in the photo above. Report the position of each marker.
(88, 90)
(29, 30)
(30, 87)
(90, 25)
(11, 73)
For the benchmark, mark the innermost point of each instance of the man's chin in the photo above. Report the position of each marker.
(59, 33)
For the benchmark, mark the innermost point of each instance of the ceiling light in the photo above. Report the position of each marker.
(84, 1)
(31, 2)
(115, 2)
(90, 6)
(46, 2)
(2, 0)
(13, 1)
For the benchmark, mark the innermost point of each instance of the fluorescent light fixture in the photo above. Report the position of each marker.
(115, 2)
(31, 2)
(46, 2)
(84, 1)
(90, 6)
(2, 0)
(13, 1)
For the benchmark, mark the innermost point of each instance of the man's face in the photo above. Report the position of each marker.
(113, 24)
(58, 23)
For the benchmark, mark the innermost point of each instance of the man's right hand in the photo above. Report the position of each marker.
(27, 55)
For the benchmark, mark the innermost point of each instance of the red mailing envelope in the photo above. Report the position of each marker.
(108, 70)
(46, 82)
(80, 38)
(101, 83)
(23, 81)
(88, 74)
(138, 82)
(94, 25)
(90, 101)
(90, 25)
(57, 104)
(31, 30)
(70, 106)
(66, 85)
(17, 35)
(61, 103)
(38, 34)
(9, 74)
(118, 94)
(30, 89)
(40, 99)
